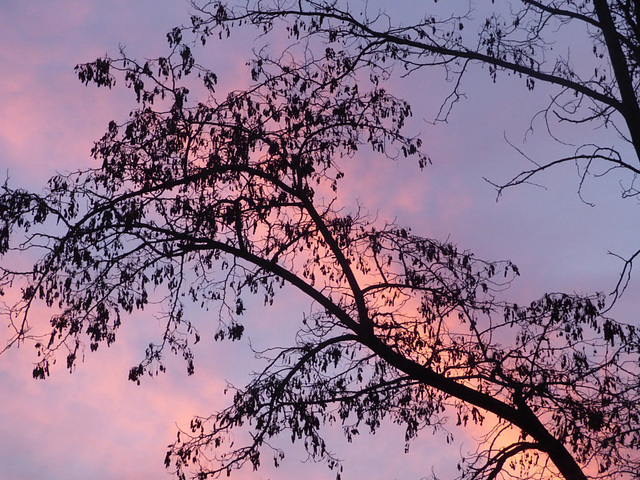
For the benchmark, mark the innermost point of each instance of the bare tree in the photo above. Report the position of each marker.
(210, 201)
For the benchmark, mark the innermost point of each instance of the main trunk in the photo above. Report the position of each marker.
(520, 415)
(629, 109)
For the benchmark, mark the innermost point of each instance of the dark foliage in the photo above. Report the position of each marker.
(214, 200)
(530, 39)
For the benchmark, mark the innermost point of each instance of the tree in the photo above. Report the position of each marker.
(531, 39)
(210, 201)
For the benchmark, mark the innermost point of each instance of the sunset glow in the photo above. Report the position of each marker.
(95, 423)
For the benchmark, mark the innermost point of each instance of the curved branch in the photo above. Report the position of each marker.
(446, 52)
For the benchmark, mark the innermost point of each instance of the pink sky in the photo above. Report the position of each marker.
(96, 424)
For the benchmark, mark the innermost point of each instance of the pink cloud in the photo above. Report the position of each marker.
(95, 423)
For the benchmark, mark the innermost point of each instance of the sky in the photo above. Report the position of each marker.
(96, 424)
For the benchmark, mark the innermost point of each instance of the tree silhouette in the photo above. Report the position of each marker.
(214, 200)
(529, 38)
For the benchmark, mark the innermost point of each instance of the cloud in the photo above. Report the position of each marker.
(95, 423)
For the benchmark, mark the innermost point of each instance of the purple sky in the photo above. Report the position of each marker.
(96, 424)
